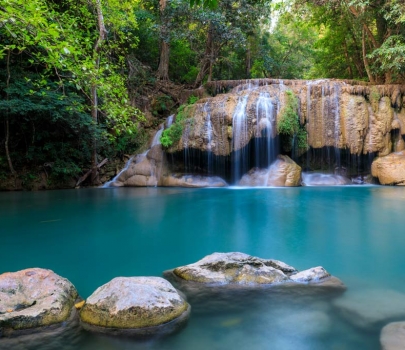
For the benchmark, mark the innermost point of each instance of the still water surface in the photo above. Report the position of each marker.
(91, 236)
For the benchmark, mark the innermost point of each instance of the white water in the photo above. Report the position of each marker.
(239, 135)
(264, 121)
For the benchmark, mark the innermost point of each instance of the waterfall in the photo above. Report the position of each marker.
(264, 121)
(156, 138)
(169, 121)
(209, 136)
(239, 136)
(116, 177)
(337, 124)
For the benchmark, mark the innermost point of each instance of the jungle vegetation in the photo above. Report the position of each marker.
(84, 80)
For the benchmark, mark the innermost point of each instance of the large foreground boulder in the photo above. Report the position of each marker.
(243, 269)
(393, 336)
(390, 170)
(180, 180)
(134, 305)
(283, 172)
(34, 298)
(371, 309)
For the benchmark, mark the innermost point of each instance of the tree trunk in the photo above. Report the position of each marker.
(207, 61)
(248, 61)
(10, 163)
(365, 60)
(349, 67)
(163, 70)
(94, 98)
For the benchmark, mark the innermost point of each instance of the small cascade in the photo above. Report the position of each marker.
(336, 105)
(156, 138)
(209, 137)
(169, 121)
(239, 135)
(265, 118)
(116, 177)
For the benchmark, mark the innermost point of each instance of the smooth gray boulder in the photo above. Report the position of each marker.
(393, 336)
(34, 298)
(138, 305)
(243, 269)
(370, 309)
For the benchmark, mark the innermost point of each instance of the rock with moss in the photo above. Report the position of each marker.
(134, 305)
(34, 298)
(242, 269)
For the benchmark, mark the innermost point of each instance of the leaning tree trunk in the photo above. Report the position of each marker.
(163, 70)
(365, 60)
(94, 98)
(10, 163)
(206, 63)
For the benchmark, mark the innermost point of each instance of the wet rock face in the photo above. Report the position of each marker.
(243, 269)
(144, 170)
(284, 172)
(133, 303)
(393, 336)
(390, 170)
(335, 113)
(34, 298)
(179, 180)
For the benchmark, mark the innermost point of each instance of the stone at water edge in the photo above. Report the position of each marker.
(284, 172)
(371, 309)
(197, 181)
(242, 269)
(34, 298)
(393, 336)
(133, 304)
(390, 170)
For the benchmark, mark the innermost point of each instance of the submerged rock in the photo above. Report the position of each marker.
(180, 180)
(283, 172)
(34, 298)
(393, 336)
(390, 170)
(243, 269)
(372, 308)
(134, 305)
(318, 179)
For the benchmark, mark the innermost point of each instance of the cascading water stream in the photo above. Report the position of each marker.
(336, 103)
(209, 136)
(264, 121)
(239, 137)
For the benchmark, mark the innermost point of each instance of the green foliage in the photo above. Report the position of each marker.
(289, 124)
(173, 134)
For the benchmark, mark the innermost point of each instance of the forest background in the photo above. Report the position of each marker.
(82, 81)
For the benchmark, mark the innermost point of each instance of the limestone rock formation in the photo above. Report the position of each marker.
(393, 336)
(284, 172)
(144, 170)
(135, 304)
(390, 170)
(243, 269)
(342, 114)
(370, 309)
(180, 180)
(34, 298)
